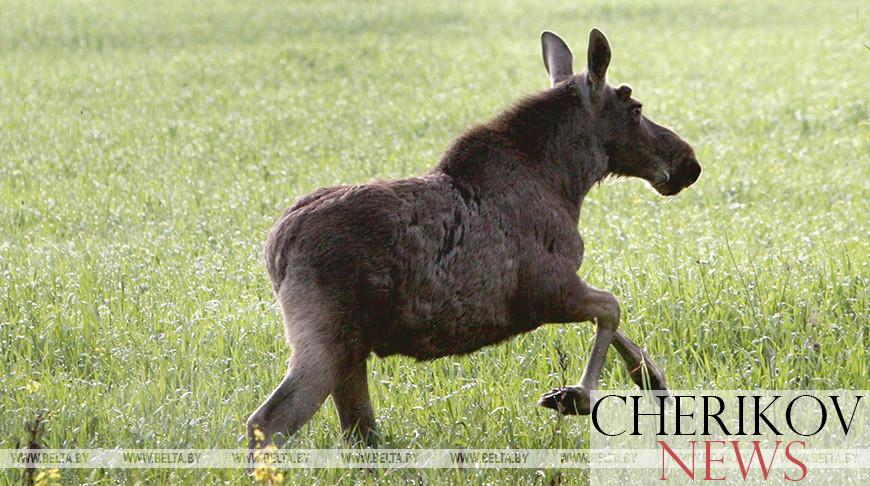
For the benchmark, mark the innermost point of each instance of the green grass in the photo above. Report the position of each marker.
(147, 147)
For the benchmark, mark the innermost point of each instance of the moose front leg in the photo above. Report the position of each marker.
(581, 302)
(637, 361)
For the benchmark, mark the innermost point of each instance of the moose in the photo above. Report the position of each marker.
(483, 247)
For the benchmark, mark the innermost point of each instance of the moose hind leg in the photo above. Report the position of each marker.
(312, 375)
(354, 407)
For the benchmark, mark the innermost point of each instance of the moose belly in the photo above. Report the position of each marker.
(425, 342)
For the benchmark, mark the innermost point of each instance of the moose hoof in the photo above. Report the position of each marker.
(568, 400)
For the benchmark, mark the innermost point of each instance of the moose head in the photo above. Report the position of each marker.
(635, 145)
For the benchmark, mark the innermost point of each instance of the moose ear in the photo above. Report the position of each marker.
(557, 57)
(597, 57)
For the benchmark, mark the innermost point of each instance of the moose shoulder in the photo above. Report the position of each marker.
(483, 247)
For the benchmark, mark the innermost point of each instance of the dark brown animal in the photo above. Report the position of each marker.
(483, 247)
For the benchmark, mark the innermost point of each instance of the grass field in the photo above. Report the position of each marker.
(147, 147)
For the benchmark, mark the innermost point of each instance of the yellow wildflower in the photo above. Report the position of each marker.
(47, 477)
(265, 473)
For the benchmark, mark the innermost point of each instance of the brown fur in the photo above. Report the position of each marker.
(483, 247)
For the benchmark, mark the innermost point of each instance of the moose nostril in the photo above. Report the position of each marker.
(692, 171)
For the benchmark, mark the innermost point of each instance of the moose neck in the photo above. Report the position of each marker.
(547, 137)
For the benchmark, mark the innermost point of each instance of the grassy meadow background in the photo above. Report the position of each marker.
(147, 147)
